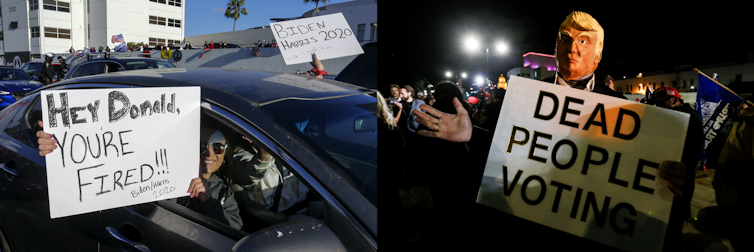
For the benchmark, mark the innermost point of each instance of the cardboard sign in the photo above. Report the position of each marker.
(583, 163)
(120, 147)
(329, 36)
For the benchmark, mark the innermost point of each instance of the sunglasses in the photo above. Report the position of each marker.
(218, 148)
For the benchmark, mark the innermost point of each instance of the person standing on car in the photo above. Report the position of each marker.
(47, 72)
(63, 67)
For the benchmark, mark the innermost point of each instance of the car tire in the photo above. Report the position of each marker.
(3, 242)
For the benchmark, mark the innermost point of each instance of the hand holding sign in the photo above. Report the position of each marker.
(198, 188)
(46, 142)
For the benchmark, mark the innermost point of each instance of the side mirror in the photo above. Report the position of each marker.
(301, 235)
(365, 123)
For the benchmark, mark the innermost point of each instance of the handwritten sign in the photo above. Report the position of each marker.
(329, 36)
(120, 147)
(583, 163)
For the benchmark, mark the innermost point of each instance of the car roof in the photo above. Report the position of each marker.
(260, 87)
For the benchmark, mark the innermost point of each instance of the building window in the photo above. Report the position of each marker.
(56, 6)
(35, 32)
(360, 32)
(373, 32)
(161, 20)
(152, 20)
(57, 33)
(176, 3)
(152, 41)
(174, 23)
(1, 35)
(33, 5)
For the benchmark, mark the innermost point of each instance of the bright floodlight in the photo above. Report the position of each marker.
(501, 48)
(479, 79)
(472, 44)
(463, 75)
(448, 74)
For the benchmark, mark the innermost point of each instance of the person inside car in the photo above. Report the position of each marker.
(209, 194)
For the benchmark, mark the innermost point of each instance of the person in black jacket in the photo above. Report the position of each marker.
(668, 97)
(47, 72)
(63, 67)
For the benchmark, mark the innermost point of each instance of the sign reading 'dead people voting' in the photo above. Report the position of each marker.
(120, 147)
(583, 163)
(329, 36)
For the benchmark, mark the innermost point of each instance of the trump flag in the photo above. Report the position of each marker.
(713, 103)
(121, 47)
(118, 38)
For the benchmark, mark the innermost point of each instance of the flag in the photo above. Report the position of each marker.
(121, 47)
(76, 53)
(118, 38)
(165, 54)
(713, 104)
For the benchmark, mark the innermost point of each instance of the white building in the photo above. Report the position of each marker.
(29, 28)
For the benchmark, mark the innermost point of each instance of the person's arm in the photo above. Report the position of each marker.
(319, 68)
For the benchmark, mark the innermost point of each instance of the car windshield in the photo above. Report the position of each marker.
(147, 64)
(13, 74)
(344, 129)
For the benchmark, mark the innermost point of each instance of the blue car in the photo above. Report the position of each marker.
(14, 85)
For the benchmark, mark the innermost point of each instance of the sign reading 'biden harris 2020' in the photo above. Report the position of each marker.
(119, 147)
(328, 36)
(583, 163)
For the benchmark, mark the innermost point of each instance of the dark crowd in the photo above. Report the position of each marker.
(437, 147)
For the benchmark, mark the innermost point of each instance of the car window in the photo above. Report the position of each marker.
(343, 128)
(113, 67)
(258, 188)
(20, 128)
(78, 71)
(13, 74)
(145, 64)
(93, 69)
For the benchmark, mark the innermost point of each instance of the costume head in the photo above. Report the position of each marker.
(579, 45)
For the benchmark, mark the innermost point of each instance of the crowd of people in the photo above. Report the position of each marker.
(455, 132)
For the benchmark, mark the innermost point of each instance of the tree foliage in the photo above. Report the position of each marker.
(316, 2)
(234, 11)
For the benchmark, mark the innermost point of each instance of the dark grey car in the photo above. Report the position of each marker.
(323, 131)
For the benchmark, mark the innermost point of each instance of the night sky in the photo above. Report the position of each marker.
(425, 39)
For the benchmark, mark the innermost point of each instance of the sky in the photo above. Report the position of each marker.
(208, 16)
(638, 38)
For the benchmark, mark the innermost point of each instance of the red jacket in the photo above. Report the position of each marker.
(212, 46)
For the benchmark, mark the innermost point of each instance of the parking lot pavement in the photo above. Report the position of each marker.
(697, 235)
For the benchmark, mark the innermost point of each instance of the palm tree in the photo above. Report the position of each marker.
(235, 10)
(316, 2)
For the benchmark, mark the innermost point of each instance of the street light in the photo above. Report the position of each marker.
(463, 75)
(472, 44)
(448, 74)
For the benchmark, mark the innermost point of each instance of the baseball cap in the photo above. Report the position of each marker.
(473, 100)
(662, 93)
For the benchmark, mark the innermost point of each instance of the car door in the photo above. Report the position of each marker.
(323, 205)
(24, 195)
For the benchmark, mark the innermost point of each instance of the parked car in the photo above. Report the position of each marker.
(14, 85)
(95, 64)
(34, 69)
(323, 131)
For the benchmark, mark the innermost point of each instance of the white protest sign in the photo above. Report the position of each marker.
(583, 163)
(329, 36)
(120, 147)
